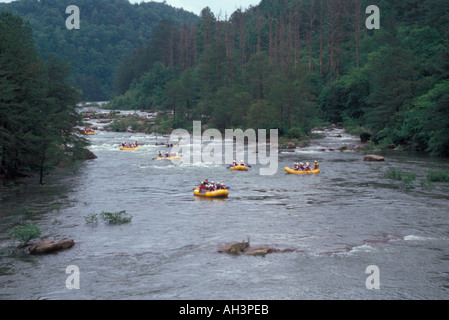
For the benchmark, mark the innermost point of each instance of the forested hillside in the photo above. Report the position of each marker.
(291, 64)
(38, 113)
(109, 30)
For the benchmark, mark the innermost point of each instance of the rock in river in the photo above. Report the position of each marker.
(244, 248)
(373, 157)
(51, 246)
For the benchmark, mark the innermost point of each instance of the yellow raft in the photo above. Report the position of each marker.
(211, 194)
(89, 132)
(290, 170)
(169, 158)
(239, 167)
(126, 148)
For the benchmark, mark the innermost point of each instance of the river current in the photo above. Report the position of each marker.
(334, 225)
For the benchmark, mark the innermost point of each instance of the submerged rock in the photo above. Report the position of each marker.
(234, 248)
(243, 248)
(373, 157)
(51, 246)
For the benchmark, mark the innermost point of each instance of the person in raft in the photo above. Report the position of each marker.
(301, 166)
(316, 165)
(220, 186)
(234, 163)
(203, 185)
(242, 163)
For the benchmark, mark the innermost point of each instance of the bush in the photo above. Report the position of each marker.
(438, 176)
(91, 218)
(116, 217)
(407, 181)
(296, 133)
(25, 232)
(393, 174)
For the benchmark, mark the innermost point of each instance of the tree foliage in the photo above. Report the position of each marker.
(109, 30)
(290, 64)
(37, 105)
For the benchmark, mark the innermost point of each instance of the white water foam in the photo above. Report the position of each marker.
(417, 238)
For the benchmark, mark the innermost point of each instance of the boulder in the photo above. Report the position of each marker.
(291, 145)
(373, 157)
(89, 155)
(234, 248)
(244, 248)
(364, 137)
(51, 246)
(258, 251)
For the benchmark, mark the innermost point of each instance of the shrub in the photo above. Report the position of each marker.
(91, 218)
(393, 174)
(116, 217)
(407, 181)
(438, 176)
(25, 232)
(296, 133)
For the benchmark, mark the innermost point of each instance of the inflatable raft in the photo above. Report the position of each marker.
(211, 194)
(169, 158)
(239, 167)
(290, 170)
(126, 148)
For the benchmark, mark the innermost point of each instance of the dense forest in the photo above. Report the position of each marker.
(293, 64)
(38, 112)
(284, 64)
(109, 30)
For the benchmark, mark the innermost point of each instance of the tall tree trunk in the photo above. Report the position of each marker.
(270, 37)
(339, 34)
(41, 169)
(311, 20)
(298, 33)
(357, 30)
(321, 37)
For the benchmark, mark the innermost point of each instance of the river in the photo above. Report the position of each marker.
(334, 224)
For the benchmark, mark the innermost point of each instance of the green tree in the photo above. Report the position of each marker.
(37, 105)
